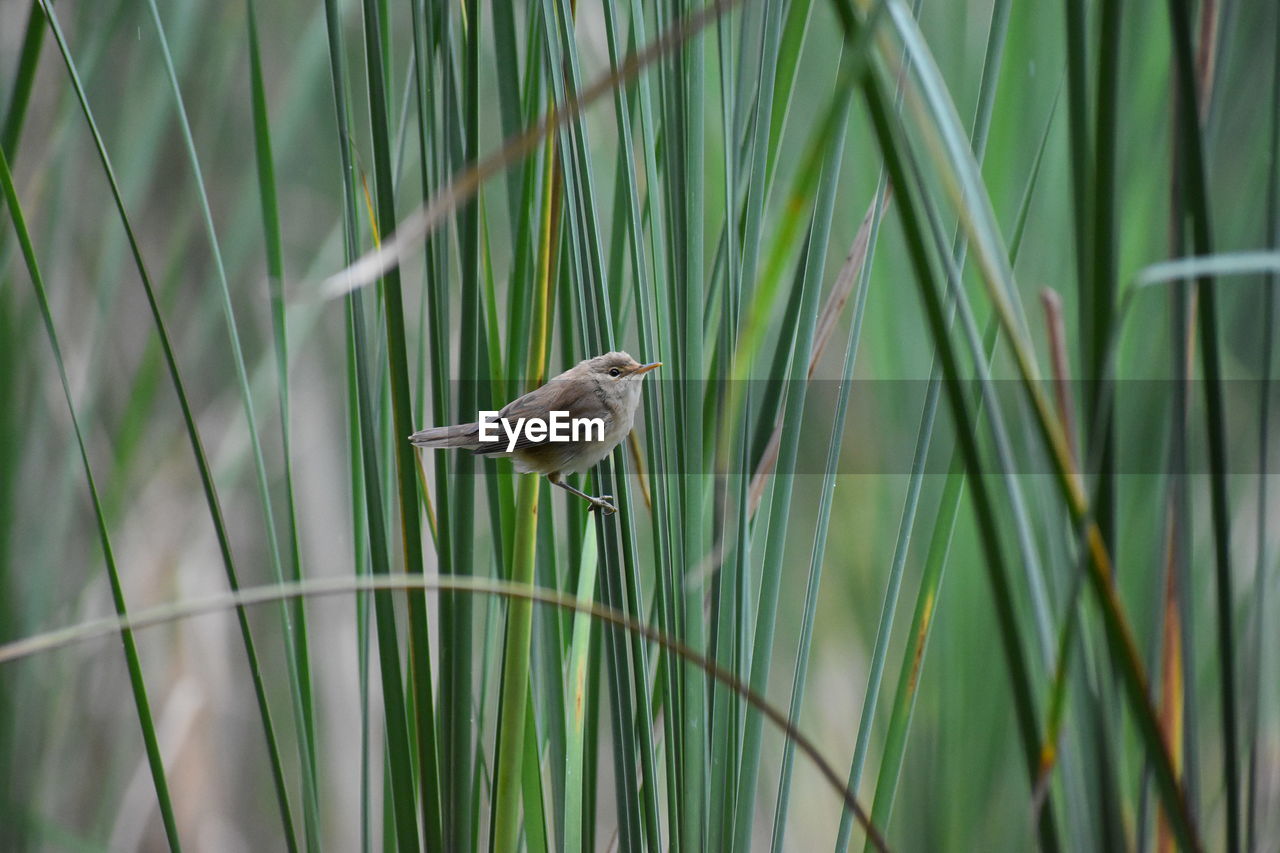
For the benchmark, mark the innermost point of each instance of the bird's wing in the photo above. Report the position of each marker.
(556, 396)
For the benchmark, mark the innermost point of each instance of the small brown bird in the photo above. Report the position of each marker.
(564, 427)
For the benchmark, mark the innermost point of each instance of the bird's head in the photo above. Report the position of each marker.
(617, 367)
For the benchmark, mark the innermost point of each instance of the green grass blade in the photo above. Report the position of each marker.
(1101, 300)
(634, 751)
(1197, 196)
(293, 634)
(206, 475)
(23, 80)
(515, 675)
(536, 824)
(890, 146)
(993, 263)
(981, 125)
(405, 454)
(868, 238)
(1097, 306)
(652, 313)
(402, 801)
(471, 344)
(275, 276)
(794, 30)
(784, 482)
(576, 713)
(358, 484)
(1262, 566)
(136, 681)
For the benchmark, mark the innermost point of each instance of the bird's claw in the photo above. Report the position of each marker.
(602, 503)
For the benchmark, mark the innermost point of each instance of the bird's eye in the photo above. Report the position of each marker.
(613, 371)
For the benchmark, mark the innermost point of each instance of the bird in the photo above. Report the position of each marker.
(597, 398)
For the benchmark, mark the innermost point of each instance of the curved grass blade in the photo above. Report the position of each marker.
(323, 587)
(137, 684)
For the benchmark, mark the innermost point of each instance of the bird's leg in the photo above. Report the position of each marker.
(601, 503)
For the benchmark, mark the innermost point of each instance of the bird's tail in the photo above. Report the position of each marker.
(464, 436)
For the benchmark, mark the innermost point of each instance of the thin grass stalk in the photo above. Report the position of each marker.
(1098, 298)
(23, 81)
(619, 579)
(1182, 346)
(826, 500)
(771, 577)
(430, 26)
(922, 621)
(1102, 299)
(890, 144)
(550, 686)
(535, 815)
(1076, 34)
(1197, 197)
(360, 559)
(794, 31)
(401, 802)
(1262, 565)
(729, 493)
(197, 447)
(459, 707)
(515, 675)
(137, 683)
(651, 311)
(294, 634)
(428, 217)
(576, 712)
(358, 484)
(519, 628)
(1173, 665)
(319, 587)
(275, 276)
(996, 275)
(405, 455)
(686, 511)
(981, 125)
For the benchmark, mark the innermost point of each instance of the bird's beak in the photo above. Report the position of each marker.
(645, 368)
